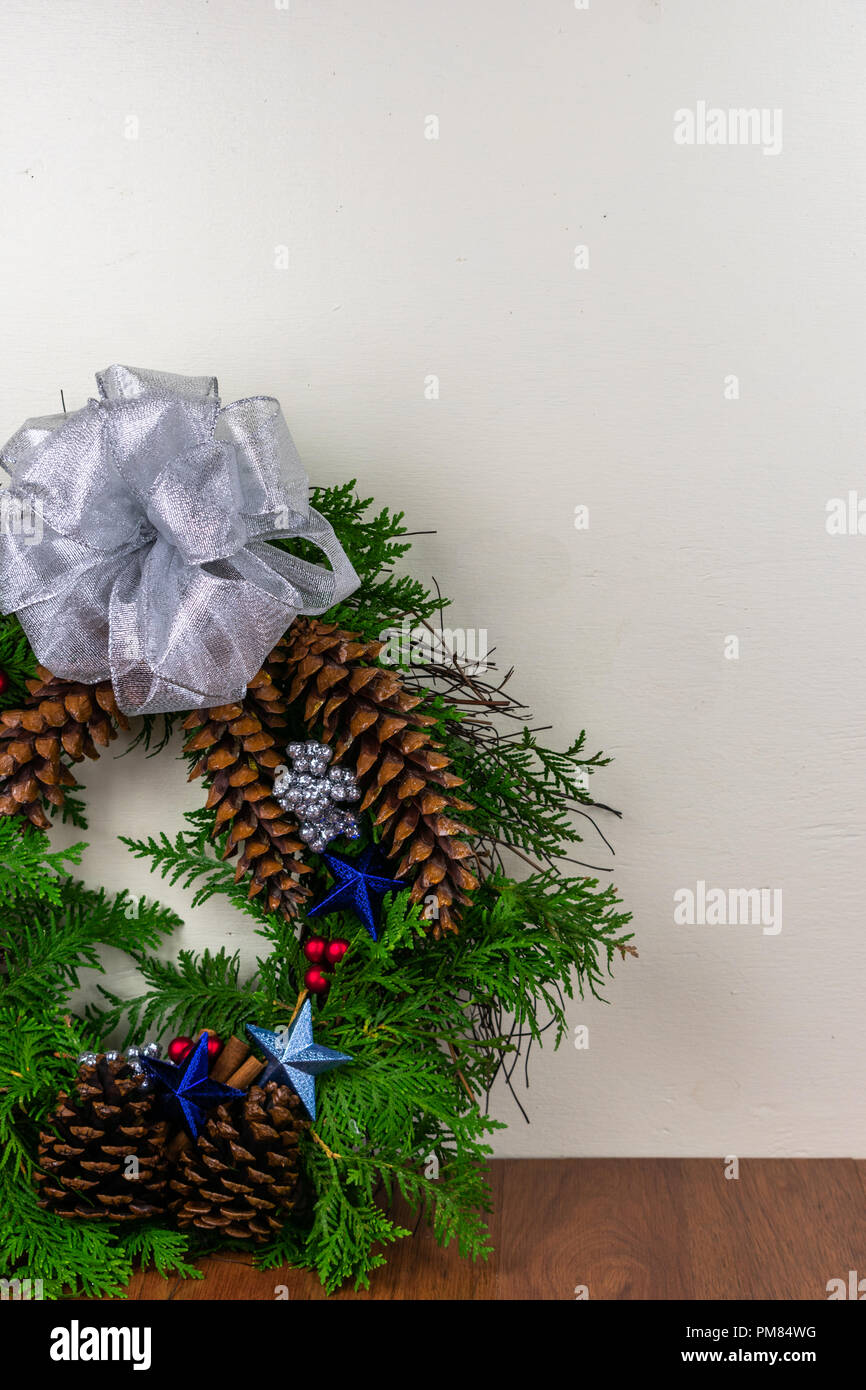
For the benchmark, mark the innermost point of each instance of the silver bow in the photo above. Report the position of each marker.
(150, 565)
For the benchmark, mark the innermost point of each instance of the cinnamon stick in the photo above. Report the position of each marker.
(234, 1053)
(245, 1075)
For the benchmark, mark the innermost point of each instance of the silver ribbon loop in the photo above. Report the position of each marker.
(152, 568)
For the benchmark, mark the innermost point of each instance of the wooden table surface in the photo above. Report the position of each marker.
(621, 1228)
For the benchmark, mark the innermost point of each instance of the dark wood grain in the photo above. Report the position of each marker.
(620, 1228)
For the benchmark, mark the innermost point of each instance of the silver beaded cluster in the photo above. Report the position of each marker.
(312, 789)
(133, 1056)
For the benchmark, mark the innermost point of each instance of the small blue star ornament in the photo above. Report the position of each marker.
(295, 1057)
(360, 884)
(189, 1089)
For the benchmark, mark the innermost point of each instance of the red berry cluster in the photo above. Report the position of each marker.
(323, 955)
(179, 1048)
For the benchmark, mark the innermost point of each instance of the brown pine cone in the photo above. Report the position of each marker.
(364, 709)
(237, 743)
(242, 1173)
(83, 1158)
(61, 720)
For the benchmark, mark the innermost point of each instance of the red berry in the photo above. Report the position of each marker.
(314, 949)
(214, 1046)
(179, 1049)
(335, 950)
(316, 982)
(4, 681)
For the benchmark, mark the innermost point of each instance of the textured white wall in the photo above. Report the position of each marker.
(260, 127)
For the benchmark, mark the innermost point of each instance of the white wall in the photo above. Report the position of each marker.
(260, 127)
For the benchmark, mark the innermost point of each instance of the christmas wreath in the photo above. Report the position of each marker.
(367, 790)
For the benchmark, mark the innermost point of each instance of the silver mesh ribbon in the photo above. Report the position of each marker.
(150, 565)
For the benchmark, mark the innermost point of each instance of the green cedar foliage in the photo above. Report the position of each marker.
(430, 1024)
(17, 662)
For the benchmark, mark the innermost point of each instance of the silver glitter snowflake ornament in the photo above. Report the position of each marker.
(311, 790)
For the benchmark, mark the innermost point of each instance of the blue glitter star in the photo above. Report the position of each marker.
(296, 1058)
(190, 1090)
(359, 882)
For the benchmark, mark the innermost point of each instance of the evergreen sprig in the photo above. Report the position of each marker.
(374, 545)
(16, 660)
(46, 945)
(29, 868)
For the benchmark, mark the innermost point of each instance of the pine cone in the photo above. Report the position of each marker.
(60, 720)
(109, 1117)
(238, 757)
(400, 768)
(243, 1170)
